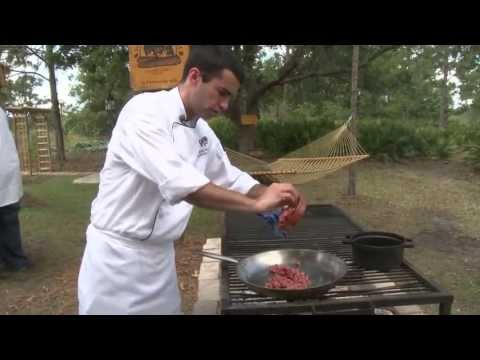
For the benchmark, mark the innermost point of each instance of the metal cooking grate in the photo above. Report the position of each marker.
(323, 228)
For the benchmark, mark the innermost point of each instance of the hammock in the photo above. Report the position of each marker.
(323, 156)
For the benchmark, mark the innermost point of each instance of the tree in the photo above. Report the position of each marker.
(444, 61)
(22, 58)
(443, 120)
(468, 72)
(103, 88)
(20, 92)
(18, 88)
(103, 73)
(302, 63)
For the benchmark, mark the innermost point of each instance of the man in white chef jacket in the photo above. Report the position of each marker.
(12, 256)
(163, 159)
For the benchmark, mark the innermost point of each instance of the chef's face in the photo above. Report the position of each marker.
(212, 98)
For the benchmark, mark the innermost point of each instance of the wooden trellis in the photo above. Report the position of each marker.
(32, 137)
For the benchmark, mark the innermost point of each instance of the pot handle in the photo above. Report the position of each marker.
(408, 243)
(348, 239)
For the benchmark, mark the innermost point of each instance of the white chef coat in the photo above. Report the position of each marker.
(153, 162)
(11, 189)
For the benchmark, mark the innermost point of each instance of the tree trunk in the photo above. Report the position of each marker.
(351, 172)
(246, 141)
(302, 92)
(57, 120)
(285, 86)
(248, 133)
(235, 113)
(443, 121)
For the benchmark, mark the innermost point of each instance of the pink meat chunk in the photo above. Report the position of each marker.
(287, 277)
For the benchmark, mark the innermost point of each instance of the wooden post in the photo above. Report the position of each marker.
(351, 191)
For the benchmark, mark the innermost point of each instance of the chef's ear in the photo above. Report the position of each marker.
(195, 75)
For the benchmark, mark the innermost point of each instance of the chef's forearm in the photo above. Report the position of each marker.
(256, 191)
(215, 197)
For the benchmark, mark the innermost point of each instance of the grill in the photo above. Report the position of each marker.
(323, 228)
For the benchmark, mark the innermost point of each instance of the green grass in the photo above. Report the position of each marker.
(205, 224)
(402, 198)
(53, 223)
(407, 199)
(59, 227)
(453, 273)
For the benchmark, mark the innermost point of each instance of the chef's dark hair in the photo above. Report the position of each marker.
(211, 60)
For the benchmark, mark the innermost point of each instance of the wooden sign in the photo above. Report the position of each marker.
(249, 119)
(156, 67)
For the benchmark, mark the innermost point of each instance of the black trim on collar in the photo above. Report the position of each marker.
(187, 123)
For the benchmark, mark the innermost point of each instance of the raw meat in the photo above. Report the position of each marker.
(287, 277)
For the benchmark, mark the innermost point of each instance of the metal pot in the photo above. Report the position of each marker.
(324, 271)
(378, 250)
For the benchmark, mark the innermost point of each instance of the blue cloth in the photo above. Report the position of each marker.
(272, 218)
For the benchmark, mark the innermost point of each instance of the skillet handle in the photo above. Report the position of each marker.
(217, 257)
(408, 243)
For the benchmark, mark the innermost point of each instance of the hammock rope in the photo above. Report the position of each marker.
(331, 152)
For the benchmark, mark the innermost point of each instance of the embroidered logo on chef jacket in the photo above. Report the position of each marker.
(203, 146)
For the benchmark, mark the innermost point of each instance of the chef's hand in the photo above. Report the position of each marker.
(277, 195)
(291, 216)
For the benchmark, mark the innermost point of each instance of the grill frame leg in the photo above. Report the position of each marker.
(445, 308)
